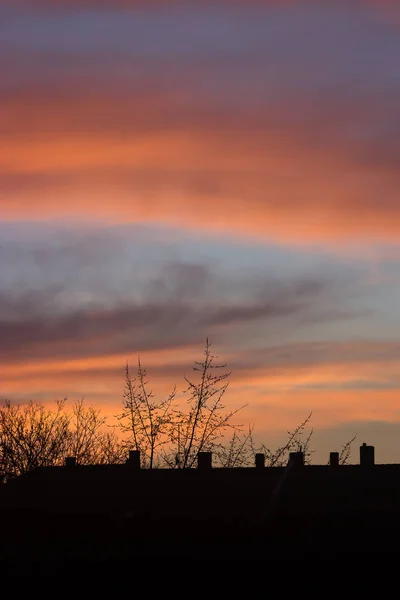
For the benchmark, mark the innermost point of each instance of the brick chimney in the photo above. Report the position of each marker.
(260, 460)
(204, 460)
(334, 459)
(134, 459)
(367, 455)
(297, 458)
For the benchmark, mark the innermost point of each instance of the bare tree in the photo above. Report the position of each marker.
(242, 449)
(32, 436)
(110, 448)
(89, 441)
(146, 421)
(298, 440)
(345, 451)
(201, 428)
(172, 437)
(238, 452)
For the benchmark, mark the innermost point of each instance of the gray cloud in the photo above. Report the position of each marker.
(306, 355)
(90, 292)
(181, 305)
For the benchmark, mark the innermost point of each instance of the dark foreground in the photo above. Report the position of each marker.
(104, 517)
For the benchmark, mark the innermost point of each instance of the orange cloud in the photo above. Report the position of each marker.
(299, 165)
(286, 183)
(286, 401)
(318, 368)
(281, 191)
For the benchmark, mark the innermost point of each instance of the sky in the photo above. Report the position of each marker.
(172, 171)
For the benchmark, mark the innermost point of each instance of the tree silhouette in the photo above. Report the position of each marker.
(34, 435)
(89, 441)
(297, 440)
(345, 451)
(242, 448)
(200, 428)
(146, 422)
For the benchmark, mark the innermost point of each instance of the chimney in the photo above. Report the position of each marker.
(204, 460)
(334, 459)
(297, 458)
(260, 460)
(134, 459)
(70, 461)
(367, 455)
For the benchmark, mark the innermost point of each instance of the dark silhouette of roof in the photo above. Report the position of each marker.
(114, 512)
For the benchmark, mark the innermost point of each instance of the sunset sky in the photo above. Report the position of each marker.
(176, 170)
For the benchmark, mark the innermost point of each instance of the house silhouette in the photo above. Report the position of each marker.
(111, 513)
